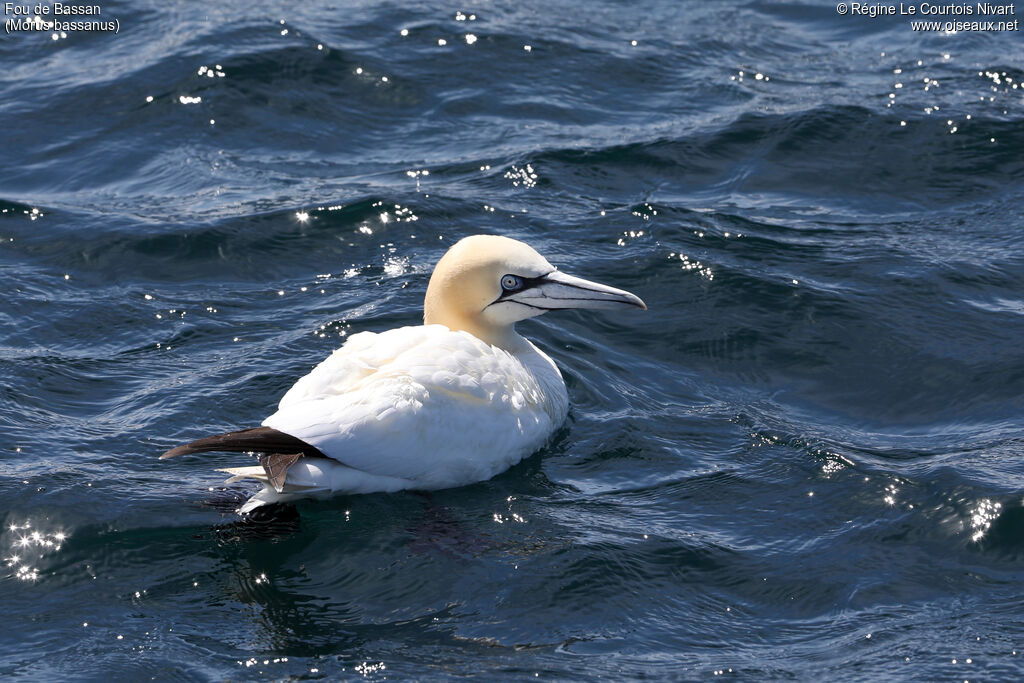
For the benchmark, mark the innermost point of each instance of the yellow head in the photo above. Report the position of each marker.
(484, 284)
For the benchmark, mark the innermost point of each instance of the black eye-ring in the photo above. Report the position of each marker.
(511, 283)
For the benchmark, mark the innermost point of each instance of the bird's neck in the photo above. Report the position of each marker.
(503, 336)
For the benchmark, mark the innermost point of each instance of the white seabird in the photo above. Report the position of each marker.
(451, 402)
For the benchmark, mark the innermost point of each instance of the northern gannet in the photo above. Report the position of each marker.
(451, 402)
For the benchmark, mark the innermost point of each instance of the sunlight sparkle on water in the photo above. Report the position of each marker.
(982, 517)
(211, 72)
(395, 266)
(521, 176)
(366, 668)
(890, 494)
(28, 545)
(415, 174)
(689, 263)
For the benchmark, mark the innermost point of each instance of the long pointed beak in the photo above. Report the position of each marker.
(557, 290)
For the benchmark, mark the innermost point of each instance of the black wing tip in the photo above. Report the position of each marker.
(258, 439)
(187, 449)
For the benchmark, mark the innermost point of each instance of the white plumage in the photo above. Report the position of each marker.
(431, 406)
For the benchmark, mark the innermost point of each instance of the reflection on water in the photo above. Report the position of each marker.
(982, 517)
(27, 545)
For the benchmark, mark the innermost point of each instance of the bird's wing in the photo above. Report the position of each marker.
(439, 408)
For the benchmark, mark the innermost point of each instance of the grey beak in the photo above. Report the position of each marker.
(557, 290)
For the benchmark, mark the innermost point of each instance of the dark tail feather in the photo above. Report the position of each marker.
(261, 439)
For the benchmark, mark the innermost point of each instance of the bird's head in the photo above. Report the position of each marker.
(485, 284)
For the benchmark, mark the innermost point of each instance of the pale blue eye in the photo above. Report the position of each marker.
(511, 283)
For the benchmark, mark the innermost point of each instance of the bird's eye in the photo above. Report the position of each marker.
(511, 283)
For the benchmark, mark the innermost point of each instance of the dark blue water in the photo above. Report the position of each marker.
(803, 462)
